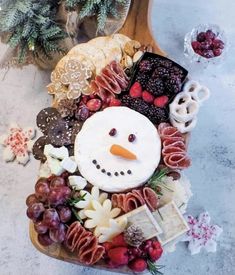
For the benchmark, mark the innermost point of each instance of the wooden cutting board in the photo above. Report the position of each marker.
(137, 26)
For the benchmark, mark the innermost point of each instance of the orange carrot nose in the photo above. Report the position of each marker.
(120, 151)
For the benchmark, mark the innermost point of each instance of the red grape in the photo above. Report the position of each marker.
(44, 239)
(40, 227)
(58, 234)
(57, 181)
(42, 189)
(64, 213)
(51, 218)
(35, 210)
(59, 195)
(31, 199)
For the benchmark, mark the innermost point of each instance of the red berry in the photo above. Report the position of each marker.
(147, 97)
(210, 35)
(196, 45)
(107, 246)
(207, 53)
(218, 44)
(138, 265)
(217, 52)
(114, 102)
(119, 241)
(205, 45)
(161, 101)
(201, 37)
(94, 104)
(119, 255)
(136, 90)
(155, 252)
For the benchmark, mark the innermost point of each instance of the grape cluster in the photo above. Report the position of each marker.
(48, 209)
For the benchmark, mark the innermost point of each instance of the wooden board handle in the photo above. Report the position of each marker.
(138, 26)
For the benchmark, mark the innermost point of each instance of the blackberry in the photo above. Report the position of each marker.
(157, 115)
(173, 85)
(136, 104)
(145, 66)
(161, 72)
(176, 72)
(166, 63)
(155, 61)
(142, 79)
(155, 86)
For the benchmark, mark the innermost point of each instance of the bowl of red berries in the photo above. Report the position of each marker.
(205, 43)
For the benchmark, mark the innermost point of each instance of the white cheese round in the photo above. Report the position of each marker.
(110, 172)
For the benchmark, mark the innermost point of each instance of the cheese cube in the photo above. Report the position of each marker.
(55, 166)
(69, 165)
(59, 153)
(47, 149)
(79, 183)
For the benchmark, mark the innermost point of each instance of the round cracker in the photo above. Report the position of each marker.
(121, 39)
(89, 51)
(109, 46)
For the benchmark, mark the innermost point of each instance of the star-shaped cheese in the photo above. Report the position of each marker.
(100, 216)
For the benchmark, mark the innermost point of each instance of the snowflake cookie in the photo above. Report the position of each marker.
(201, 234)
(17, 143)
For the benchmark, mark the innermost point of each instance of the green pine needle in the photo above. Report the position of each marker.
(153, 268)
(156, 182)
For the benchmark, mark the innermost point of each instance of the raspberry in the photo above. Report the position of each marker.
(138, 265)
(161, 101)
(119, 255)
(147, 97)
(217, 52)
(210, 35)
(155, 252)
(196, 45)
(107, 246)
(136, 90)
(114, 102)
(201, 37)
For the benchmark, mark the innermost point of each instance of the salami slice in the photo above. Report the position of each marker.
(150, 198)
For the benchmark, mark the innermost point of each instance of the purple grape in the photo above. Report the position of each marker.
(58, 234)
(56, 182)
(35, 210)
(42, 189)
(51, 218)
(83, 113)
(44, 239)
(40, 227)
(31, 199)
(64, 213)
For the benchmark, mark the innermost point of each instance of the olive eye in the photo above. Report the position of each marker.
(112, 132)
(131, 138)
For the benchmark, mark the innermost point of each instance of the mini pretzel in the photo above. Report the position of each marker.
(184, 127)
(184, 108)
(197, 92)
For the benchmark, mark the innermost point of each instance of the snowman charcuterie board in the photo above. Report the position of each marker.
(110, 192)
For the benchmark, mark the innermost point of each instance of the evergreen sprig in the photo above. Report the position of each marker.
(153, 268)
(101, 8)
(31, 27)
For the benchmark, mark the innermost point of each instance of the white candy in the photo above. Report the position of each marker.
(69, 165)
(185, 106)
(44, 170)
(59, 153)
(55, 166)
(79, 183)
(47, 149)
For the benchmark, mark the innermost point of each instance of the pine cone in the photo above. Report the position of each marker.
(67, 107)
(134, 235)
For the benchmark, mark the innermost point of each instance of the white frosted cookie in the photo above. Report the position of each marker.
(109, 46)
(112, 162)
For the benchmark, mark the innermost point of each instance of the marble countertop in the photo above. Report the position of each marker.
(212, 148)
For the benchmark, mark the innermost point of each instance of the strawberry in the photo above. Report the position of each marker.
(136, 90)
(119, 241)
(138, 265)
(155, 252)
(161, 101)
(114, 102)
(118, 255)
(147, 97)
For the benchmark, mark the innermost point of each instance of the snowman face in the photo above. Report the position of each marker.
(117, 149)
